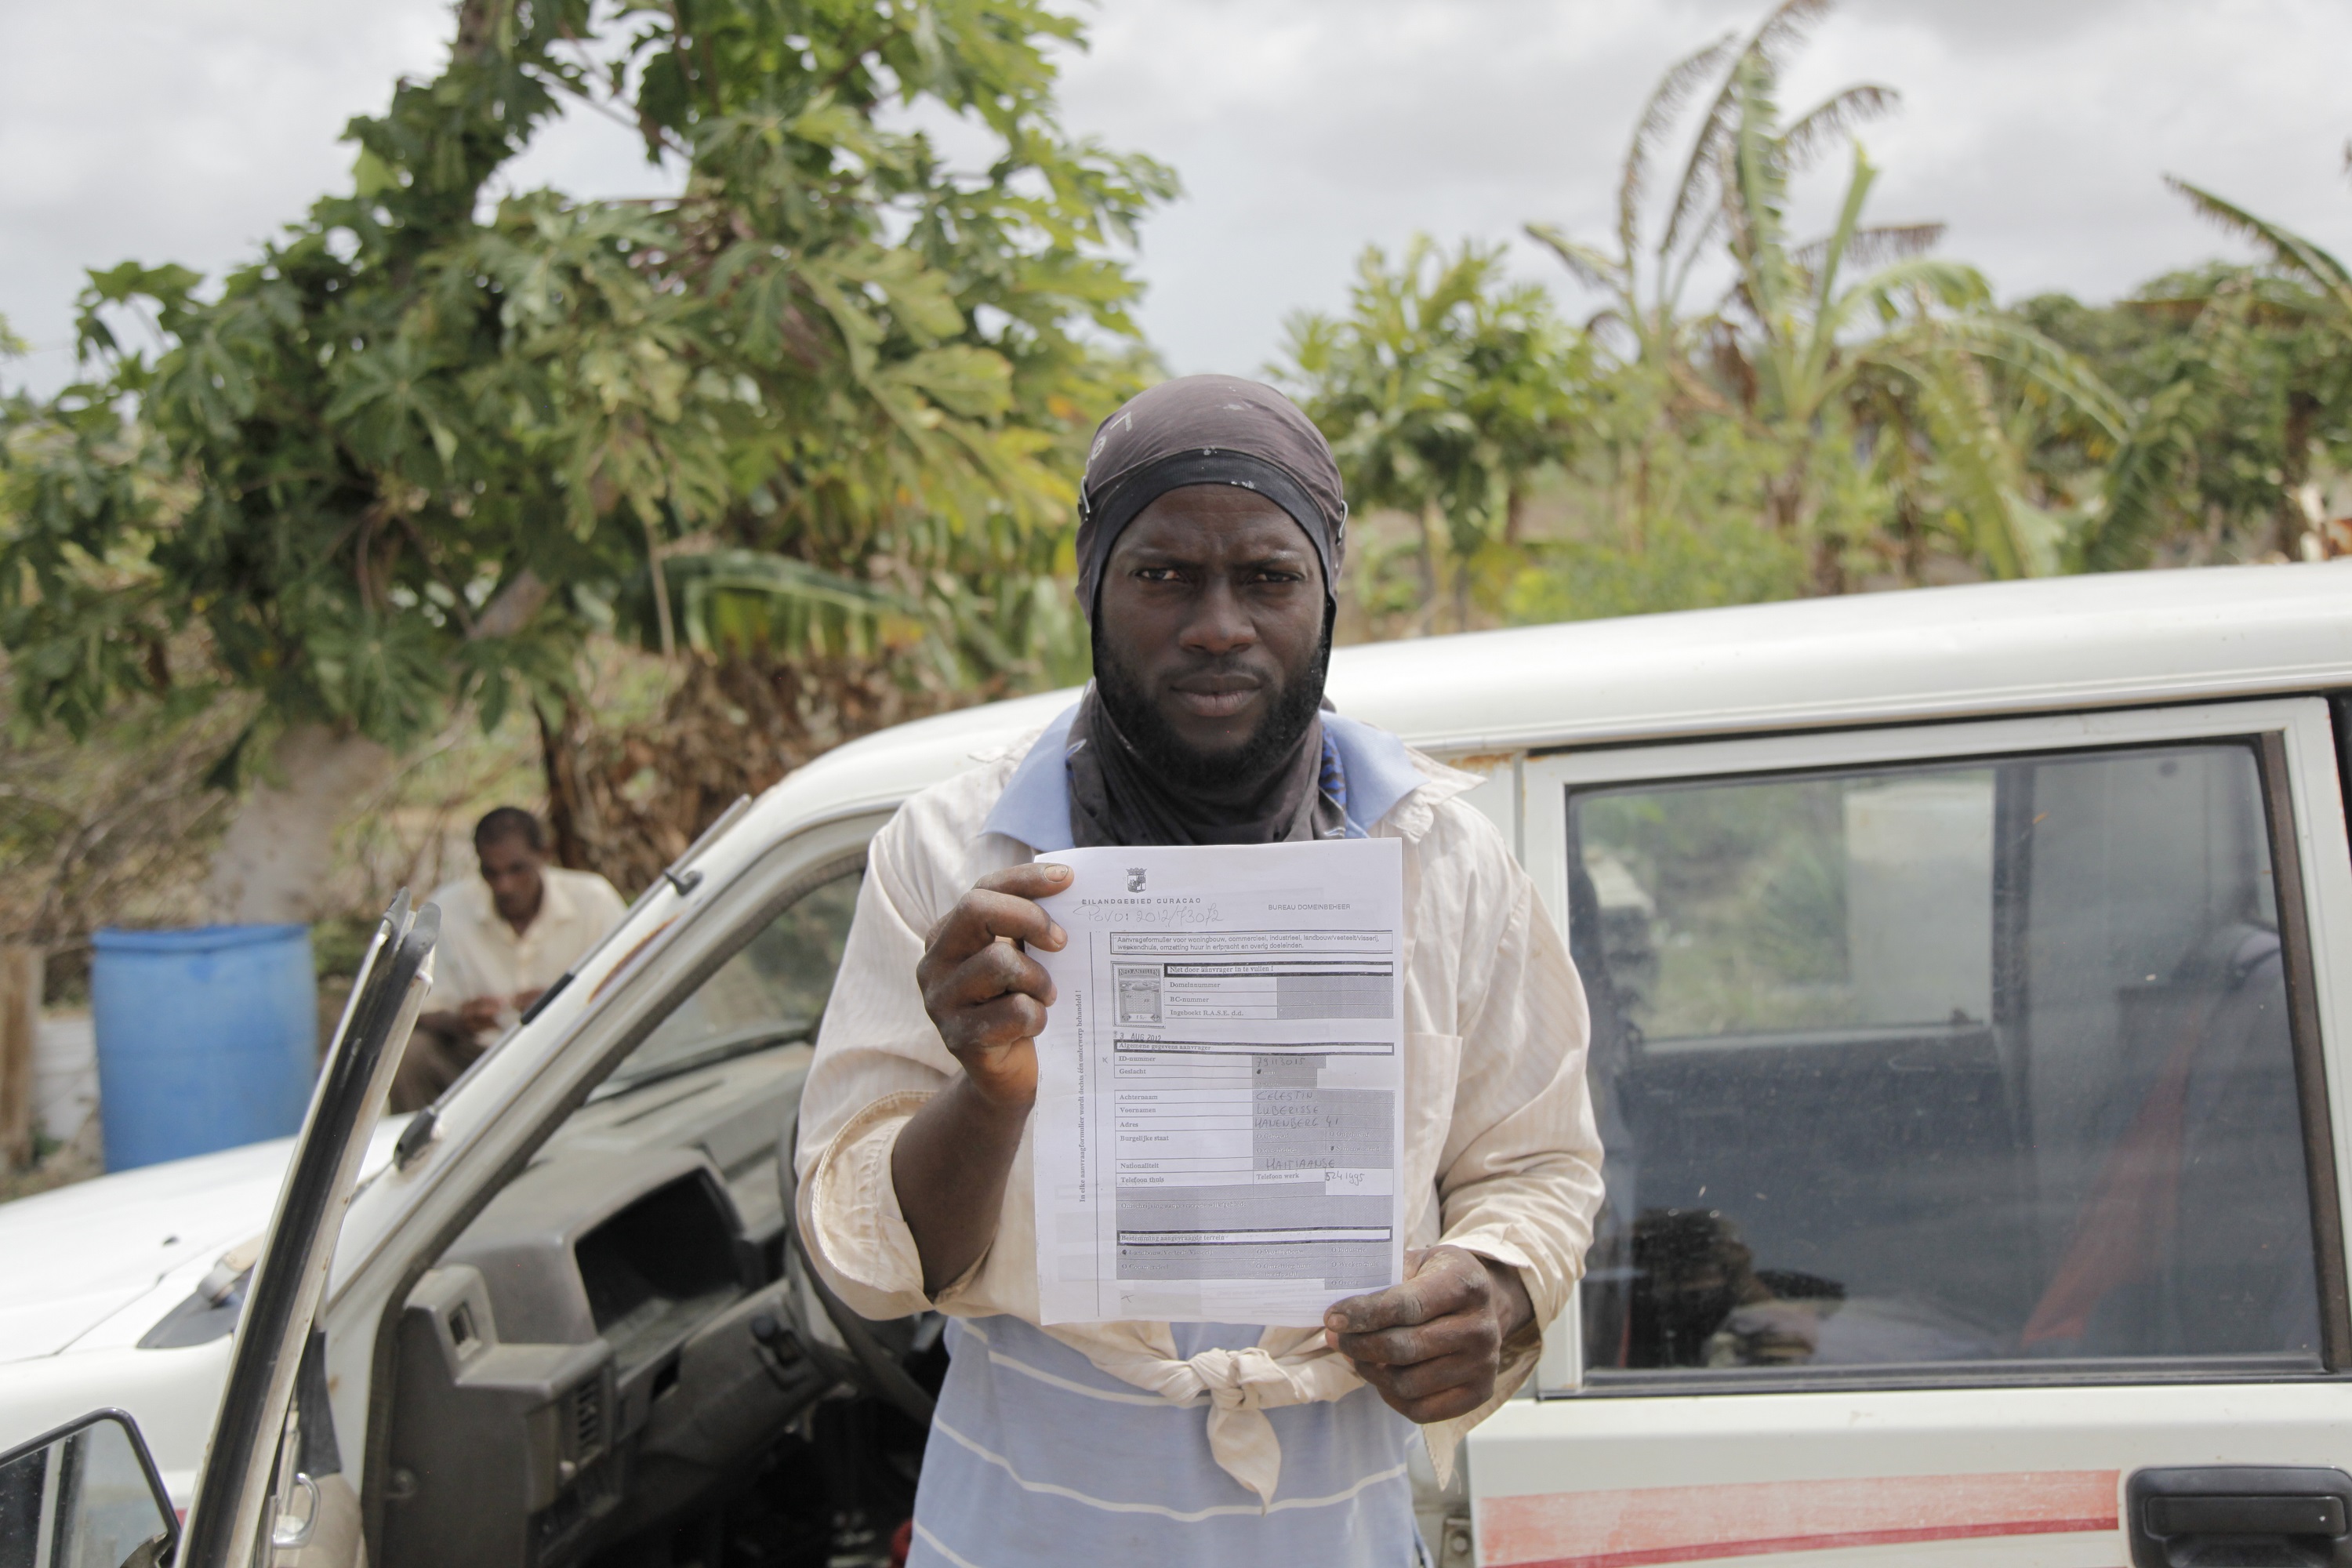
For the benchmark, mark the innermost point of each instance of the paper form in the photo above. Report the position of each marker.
(1218, 1117)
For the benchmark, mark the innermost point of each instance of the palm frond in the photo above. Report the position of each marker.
(1822, 341)
(726, 601)
(2289, 249)
(1779, 34)
(1666, 101)
(1775, 38)
(1589, 264)
(1833, 116)
(1696, 191)
(1610, 326)
(1978, 471)
(2140, 480)
(1874, 245)
(2064, 374)
(1955, 285)
(1756, 197)
(1671, 293)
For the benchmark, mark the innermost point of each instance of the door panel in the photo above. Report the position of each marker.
(1957, 1120)
(1982, 1475)
(517, 1096)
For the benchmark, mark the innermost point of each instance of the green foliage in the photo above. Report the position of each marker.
(109, 830)
(1442, 390)
(824, 407)
(1849, 407)
(1851, 396)
(748, 601)
(1683, 563)
(2241, 376)
(409, 455)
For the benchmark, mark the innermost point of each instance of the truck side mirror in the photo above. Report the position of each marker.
(86, 1495)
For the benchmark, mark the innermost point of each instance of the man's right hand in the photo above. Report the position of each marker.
(988, 997)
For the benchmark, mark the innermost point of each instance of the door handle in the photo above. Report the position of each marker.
(2248, 1516)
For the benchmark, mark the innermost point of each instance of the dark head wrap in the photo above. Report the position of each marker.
(1208, 430)
(1203, 430)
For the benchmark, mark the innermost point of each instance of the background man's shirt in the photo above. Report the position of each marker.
(481, 955)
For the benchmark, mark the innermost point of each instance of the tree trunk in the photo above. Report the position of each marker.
(1784, 492)
(273, 863)
(1828, 578)
(571, 813)
(1913, 540)
(20, 1021)
(1638, 534)
(1432, 595)
(2303, 412)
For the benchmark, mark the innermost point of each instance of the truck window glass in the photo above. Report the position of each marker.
(771, 992)
(1975, 1064)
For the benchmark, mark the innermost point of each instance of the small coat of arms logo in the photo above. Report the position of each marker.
(1135, 879)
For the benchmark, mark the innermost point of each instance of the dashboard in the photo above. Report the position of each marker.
(581, 1364)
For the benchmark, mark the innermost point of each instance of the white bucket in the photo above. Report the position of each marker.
(65, 1076)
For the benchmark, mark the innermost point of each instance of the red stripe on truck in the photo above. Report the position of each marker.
(1696, 1524)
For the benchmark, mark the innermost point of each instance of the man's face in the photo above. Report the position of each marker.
(511, 866)
(1209, 633)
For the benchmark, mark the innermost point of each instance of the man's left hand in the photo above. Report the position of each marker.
(1433, 1345)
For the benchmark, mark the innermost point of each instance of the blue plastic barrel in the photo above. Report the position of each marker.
(206, 1038)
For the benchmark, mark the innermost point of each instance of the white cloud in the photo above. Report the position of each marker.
(187, 130)
(2039, 132)
(176, 131)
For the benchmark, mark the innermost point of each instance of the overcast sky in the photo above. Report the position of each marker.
(187, 130)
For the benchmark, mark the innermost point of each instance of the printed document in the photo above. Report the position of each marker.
(1218, 1120)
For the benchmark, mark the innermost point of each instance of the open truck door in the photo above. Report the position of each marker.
(271, 1490)
(1974, 1097)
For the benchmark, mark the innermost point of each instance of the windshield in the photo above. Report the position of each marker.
(771, 992)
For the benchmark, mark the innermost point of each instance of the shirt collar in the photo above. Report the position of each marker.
(1379, 768)
(1035, 806)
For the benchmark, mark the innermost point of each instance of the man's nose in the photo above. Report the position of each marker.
(1220, 622)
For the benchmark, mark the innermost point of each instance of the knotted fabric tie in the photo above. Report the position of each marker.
(1286, 1366)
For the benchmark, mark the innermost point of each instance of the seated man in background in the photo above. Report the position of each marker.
(506, 936)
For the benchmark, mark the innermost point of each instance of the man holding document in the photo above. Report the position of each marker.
(1207, 1062)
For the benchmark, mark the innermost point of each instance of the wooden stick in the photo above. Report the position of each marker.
(20, 1019)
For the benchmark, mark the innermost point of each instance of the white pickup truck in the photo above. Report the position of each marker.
(1971, 977)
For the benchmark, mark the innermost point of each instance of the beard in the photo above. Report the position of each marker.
(1237, 772)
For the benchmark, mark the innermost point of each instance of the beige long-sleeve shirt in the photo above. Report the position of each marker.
(1500, 1154)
